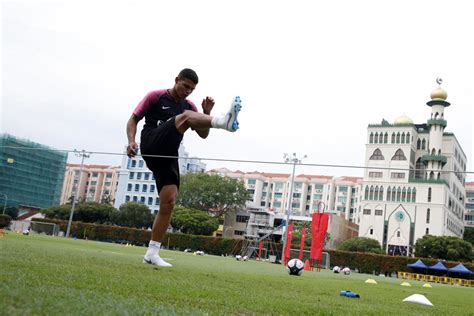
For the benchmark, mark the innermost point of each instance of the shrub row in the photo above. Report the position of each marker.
(134, 236)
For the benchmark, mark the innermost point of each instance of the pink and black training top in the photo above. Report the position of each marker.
(159, 106)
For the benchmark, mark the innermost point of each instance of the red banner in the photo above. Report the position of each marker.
(260, 249)
(319, 227)
(303, 238)
(286, 253)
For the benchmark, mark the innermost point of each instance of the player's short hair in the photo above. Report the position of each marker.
(190, 74)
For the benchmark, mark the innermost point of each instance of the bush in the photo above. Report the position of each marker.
(5, 220)
(361, 244)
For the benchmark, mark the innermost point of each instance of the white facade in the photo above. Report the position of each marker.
(408, 190)
(137, 184)
(270, 191)
(469, 215)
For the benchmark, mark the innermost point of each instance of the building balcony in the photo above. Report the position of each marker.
(437, 122)
(439, 158)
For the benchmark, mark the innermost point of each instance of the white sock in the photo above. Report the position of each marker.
(153, 248)
(219, 122)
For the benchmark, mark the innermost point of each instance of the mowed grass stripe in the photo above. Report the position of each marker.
(42, 275)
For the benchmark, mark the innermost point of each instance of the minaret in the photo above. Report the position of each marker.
(434, 159)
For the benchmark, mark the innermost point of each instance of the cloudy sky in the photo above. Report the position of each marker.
(311, 74)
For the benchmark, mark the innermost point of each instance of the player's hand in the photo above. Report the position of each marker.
(207, 105)
(132, 149)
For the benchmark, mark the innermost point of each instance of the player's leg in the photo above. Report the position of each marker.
(195, 120)
(160, 225)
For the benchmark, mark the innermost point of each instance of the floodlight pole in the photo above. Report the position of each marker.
(5, 202)
(294, 160)
(82, 154)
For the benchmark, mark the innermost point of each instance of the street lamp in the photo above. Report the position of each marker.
(294, 160)
(82, 154)
(5, 202)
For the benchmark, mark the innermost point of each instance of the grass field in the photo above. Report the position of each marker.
(41, 275)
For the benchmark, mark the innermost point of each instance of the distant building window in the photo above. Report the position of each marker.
(139, 175)
(398, 233)
(129, 187)
(399, 155)
(429, 194)
(152, 188)
(375, 174)
(427, 231)
(397, 175)
(134, 163)
(127, 198)
(262, 203)
(371, 231)
(150, 200)
(428, 211)
(157, 201)
(377, 155)
(241, 218)
(137, 187)
(366, 211)
(140, 163)
(108, 175)
(144, 188)
(135, 199)
(378, 212)
(251, 181)
(131, 175)
(239, 232)
(142, 199)
(146, 176)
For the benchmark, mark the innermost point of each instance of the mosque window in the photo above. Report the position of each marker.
(398, 233)
(428, 216)
(393, 138)
(381, 193)
(429, 194)
(371, 193)
(413, 195)
(377, 155)
(388, 193)
(407, 140)
(427, 231)
(398, 138)
(380, 138)
(385, 138)
(423, 144)
(418, 144)
(399, 155)
(371, 138)
(376, 138)
(403, 138)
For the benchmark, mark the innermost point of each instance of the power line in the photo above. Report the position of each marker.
(242, 160)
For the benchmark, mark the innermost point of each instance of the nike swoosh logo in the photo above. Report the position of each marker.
(165, 107)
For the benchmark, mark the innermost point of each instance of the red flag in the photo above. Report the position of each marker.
(303, 237)
(319, 227)
(259, 248)
(286, 254)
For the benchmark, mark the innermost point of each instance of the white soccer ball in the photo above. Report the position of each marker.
(346, 271)
(336, 269)
(295, 267)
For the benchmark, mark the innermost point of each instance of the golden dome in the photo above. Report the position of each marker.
(403, 120)
(439, 94)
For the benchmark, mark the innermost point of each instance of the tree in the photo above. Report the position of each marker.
(89, 212)
(212, 193)
(12, 211)
(469, 234)
(361, 244)
(443, 247)
(133, 214)
(5, 220)
(192, 221)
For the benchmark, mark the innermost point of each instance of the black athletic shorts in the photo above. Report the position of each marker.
(162, 140)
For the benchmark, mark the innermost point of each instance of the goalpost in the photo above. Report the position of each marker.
(44, 228)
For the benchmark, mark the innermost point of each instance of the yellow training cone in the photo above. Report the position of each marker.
(427, 285)
(371, 281)
(405, 284)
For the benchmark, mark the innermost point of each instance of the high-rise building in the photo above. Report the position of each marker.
(31, 174)
(469, 215)
(97, 183)
(136, 182)
(414, 180)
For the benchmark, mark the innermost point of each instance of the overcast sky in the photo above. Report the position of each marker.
(311, 74)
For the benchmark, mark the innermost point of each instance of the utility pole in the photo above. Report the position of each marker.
(5, 202)
(82, 154)
(294, 160)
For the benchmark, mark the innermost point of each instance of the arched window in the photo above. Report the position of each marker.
(413, 195)
(377, 155)
(427, 231)
(423, 144)
(398, 233)
(439, 152)
(381, 193)
(420, 169)
(403, 138)
(385, 138)
(407, 139)
(409, 195)
(380, 138)
(398, 138)
(366, 193)
(376, 138)
(388, 194)
(376, 193)
(418, 144)
(436, 115)
(429, 194)
(428, 211)
(371, 138)
(394, 194)
(371, 193)
(399, 193)
(431, 175)
(433, 151)
(399, 155)
(404, 195)
(393, 138)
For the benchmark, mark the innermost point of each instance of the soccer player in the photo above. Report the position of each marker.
(168, 115)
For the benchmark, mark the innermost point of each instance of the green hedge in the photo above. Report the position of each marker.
(5, 220)
(118, 234)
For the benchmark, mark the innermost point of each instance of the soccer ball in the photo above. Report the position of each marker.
(295, 267)
(346, 271)
(336, 269)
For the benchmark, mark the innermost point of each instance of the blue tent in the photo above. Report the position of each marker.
(460, 268)
(438, 267)
(417, 265)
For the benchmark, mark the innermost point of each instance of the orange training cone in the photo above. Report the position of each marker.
(306, 265)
